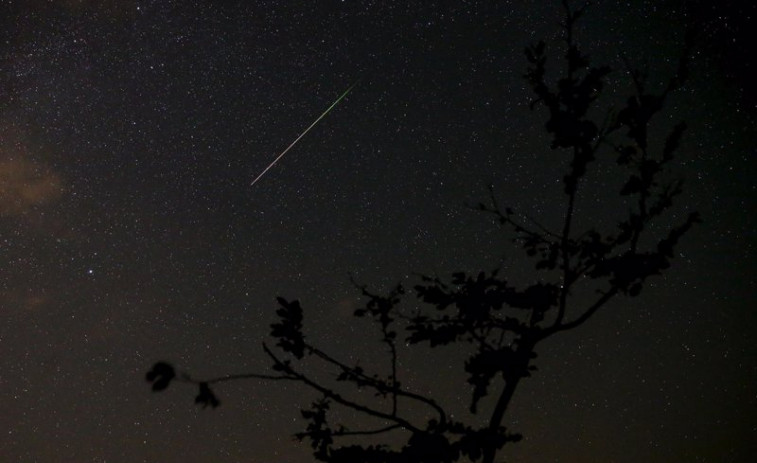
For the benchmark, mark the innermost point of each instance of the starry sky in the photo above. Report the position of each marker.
(130, 132)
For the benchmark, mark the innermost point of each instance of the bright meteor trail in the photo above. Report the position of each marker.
(304, 132)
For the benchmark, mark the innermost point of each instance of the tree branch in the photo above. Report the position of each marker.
(367, 433)
(557, 327)
(382, 387)
(336, 397)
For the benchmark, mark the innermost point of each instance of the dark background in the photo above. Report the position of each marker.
(129, 233)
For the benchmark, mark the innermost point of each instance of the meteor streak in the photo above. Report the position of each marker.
(304, 132)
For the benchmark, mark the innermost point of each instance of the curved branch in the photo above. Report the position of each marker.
(336, 397)
(366, 433)
(239, 376)
(557, 327)
(381, 386)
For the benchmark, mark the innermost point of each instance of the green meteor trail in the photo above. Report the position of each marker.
(304, 132)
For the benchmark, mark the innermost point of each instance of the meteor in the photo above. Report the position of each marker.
(304, 132)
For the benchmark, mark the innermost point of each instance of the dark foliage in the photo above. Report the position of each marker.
(289, 331)
(206, 397)
(499, 323)
(160, 376)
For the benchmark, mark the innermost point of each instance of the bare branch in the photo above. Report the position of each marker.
(284, 366)
(591, 310)
(367, 433)
(381, 386)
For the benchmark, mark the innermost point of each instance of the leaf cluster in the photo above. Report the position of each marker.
(162, 374)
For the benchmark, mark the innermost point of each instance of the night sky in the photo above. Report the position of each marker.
(130, 132)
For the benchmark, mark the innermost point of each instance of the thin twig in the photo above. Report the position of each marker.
(336, 397)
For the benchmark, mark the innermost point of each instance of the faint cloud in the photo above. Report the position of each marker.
(26, 185)
(28, 301)
(32, 303)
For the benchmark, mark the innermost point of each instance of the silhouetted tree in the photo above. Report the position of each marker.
(500, 323)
